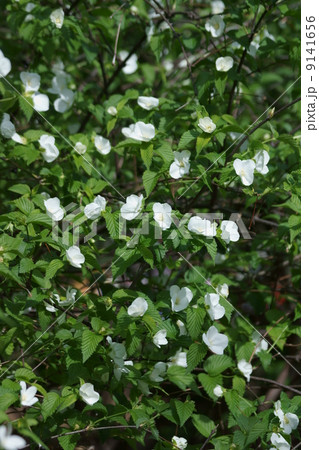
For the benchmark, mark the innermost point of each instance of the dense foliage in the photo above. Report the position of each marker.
(150, 224)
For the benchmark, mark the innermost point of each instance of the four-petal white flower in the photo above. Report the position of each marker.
(229, 231)
(93, 210)
(162, 215)
(245, 169)
(51, 152)
(279, 442)
(217, 6)
(133, 206)
(218, 391)
(139, 131)
(27, 396)
(179, 359)
(224, 64)
(179, 442)
(102, 145)
(215, 26)
(216, 342)
(5, 65)
(214, 309)
(88, 394)
(246, 368)
(262, 159)
(75, 257)
(57, 17)
(53, 209)
(138, 307)
(147, 103)
(10, 441)
(181, 164)
(180, 298)
(206, 124)
(131, 64)
(159, 369)
(202, 227)
(160, 338)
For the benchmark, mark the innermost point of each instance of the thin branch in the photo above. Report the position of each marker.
(209, 438)
(116, 41)
(266, 380)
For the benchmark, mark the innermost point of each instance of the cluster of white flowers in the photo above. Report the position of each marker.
(60, 87)
(245, 168)
(204, 227)
(288, 421)
(8, 130)
(31, 82)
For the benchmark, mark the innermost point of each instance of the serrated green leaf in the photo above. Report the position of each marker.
(90, 341)
(52, 268)
(195, 320)
(50, 404)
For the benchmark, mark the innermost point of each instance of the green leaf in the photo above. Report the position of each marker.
(211, 248)
(203, 424)
(90, 341)
(7, 398)
(149, 181)
(24, 204)
(26, 106)
(147, 154)
(217, 364)
(21, 189)
(220, 83)
(147, 255)
(195, 320)
(209, 383)
(52, 268)
(112, 223)
(201, 142)
(184, 410)
(39, 219)
(50, 404)
(187, 138)
(26, 265)
(195, 355)
(180, 377)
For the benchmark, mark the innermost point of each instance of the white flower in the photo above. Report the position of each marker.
(57, 17)
(147, 103)
(162, 215)
(224, 64)
(31, 81)
(202, 227)
(8, 130)
(75, 257)
(246, 368)
(93, 210)
(102, 145)
(262, 159)
(179, 359)
(51, 308)
(40, 102)
(261, 343)
(131, 64)
(215, 26)
(70, 296)
(181, 164)
(279, 442)
(54, 209)
(80, 148)
(206, 124)
(288, 421)
(65, 101)
(138, 307)
(112, 110)
(222, 290)
(229, 231)
(245, 169)
(215, 310)
(180, 298)
(180, 442)
(216, 342)
(253, 48)
(139, 131)
(218, 391)
(160, 338)
(159, 369)
(217, 6)
(5, 65)
(132, 207)
(182, 328)
(50, 150)
(27, 396)
(59, 83)
(58, 67)
(10, 441)
(88, 394)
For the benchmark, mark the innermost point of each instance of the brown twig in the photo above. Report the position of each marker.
(276, 383)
